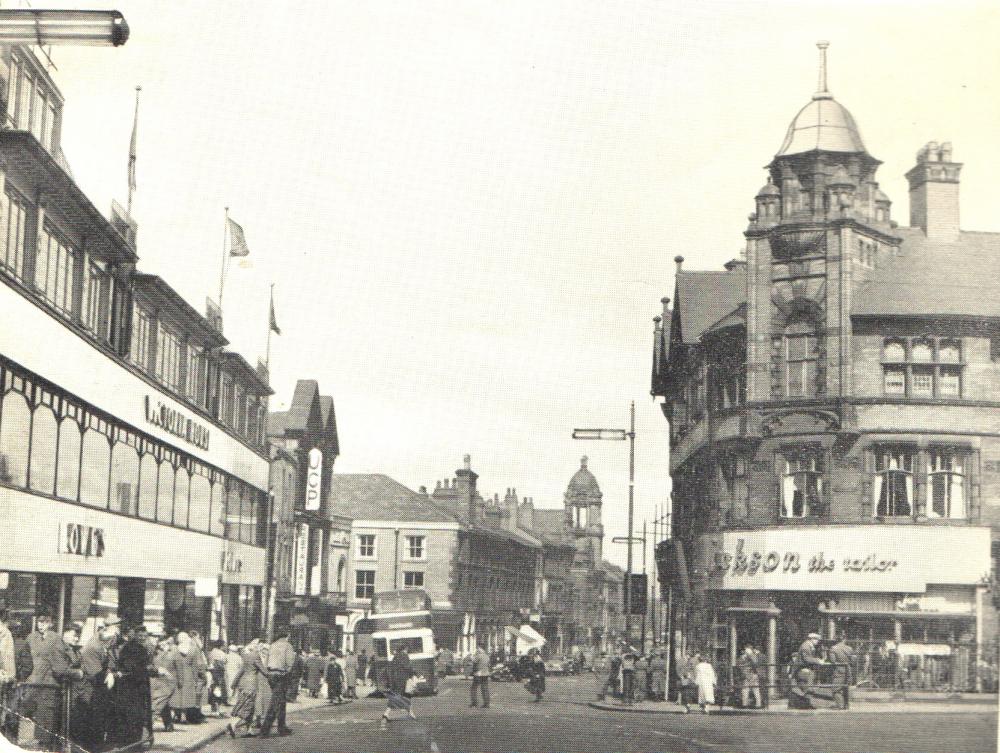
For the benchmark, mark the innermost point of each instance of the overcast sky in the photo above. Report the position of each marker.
(470, 209)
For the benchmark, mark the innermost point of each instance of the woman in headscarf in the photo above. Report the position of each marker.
(351, 675)
(163, 686)
(400, 671)
(315, 667)
(244, 686)
(185, 698)
(263, 701)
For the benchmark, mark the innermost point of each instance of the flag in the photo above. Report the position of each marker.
(237, 241)
(274, 322)
(131, 147)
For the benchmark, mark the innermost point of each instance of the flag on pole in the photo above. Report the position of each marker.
(273, 321)
(131, 147)
(237, 241)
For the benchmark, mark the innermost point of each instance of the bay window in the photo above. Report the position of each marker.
(893, 482)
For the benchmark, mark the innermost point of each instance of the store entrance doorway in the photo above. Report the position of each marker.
(800, 616)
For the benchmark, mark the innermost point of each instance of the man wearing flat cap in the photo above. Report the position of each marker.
(807, 661)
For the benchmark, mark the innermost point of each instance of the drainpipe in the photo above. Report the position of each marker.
(395, 565)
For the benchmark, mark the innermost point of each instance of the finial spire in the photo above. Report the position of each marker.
(583, 462)
(821, 91)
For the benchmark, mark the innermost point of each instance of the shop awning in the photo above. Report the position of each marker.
(527, 638)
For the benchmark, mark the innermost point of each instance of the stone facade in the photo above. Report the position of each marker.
(841, 378)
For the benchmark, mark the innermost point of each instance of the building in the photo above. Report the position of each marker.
(133, 470)
(481, 575)
(834, 414)
(582, 604)
(309, 551)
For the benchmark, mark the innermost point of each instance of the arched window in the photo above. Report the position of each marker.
(15, 425)
(124, 478)
(893, 487)
(201, 501)
(165, 492)
(218, 521)
(44, 433)
(95, 468)
(149, 474)
(922, 351)
(894, 351)
(181, 496)
(950, 351)
(801, 359)
(68, 476)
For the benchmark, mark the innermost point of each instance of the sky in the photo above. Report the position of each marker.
(469, 210)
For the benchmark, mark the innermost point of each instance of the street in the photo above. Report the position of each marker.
(564, 722)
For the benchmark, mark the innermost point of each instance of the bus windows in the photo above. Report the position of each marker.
(380, 651)
(413, 645)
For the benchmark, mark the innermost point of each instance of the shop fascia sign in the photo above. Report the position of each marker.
(314, 479)
(174, 422)
(743, 561)
(81, 540)
(301, 559)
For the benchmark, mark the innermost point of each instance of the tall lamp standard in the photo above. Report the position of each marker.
(621, 435)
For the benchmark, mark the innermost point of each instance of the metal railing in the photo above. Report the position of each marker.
(37, 717)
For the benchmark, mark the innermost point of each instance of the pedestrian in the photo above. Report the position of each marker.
(217, 690)
(244, 685)
(263, 680)
(479, 671)
(184, 700)
(95, 697)
(841, 655)
(8, 668)
(658, 676)
(234, 663)
(334, 681)
(641, 678)
(613, 683)
(397, 695)
(280, 663)
(42, 698)
(749, 666)
(351, 674)
(316, 663)
(363, 667)
(536, 671)
(705, 680)
(164, 685)
(628, 675)
(201, 673)
(73, 684)
(806, 662)
(131, 689)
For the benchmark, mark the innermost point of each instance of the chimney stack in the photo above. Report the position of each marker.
(465, 484)
(934, 192)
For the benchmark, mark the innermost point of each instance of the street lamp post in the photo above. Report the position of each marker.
(63, 27)
(622, 435)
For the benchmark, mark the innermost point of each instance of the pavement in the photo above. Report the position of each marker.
(565, 721)
(968, 705)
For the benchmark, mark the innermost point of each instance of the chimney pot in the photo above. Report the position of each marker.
(679, 261)
(467, 462)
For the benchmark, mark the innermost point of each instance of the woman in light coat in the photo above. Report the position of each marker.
(705, 679)
(184, 699)
(163, 687)
(351, 674)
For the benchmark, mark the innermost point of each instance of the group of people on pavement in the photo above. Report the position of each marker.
(634, 676)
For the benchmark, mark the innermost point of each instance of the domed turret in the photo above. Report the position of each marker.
(583, 487)
(583, 509)
(824, 124)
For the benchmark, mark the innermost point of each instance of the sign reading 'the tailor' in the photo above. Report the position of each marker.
(900, 559)
(176, 423)
(314, 479)
(84, 541)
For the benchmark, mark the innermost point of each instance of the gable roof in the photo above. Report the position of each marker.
(375, 496)
(928, 278)
(704, 298)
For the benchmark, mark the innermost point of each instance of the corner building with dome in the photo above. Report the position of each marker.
(833, 400)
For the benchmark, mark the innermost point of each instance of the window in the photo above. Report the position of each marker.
(31, 106)
(95, 468)
(366, 545)
(922, 367)
(68, 460)
(801, 360)
(44, 429)
(125, 476)
(16, 425)
(240, 410)
(946, 485)
(149, 473)
(197, 375)
(226, 401)
(141, 329)
(893, 487)
(364, 584)
(54, 264)
(168, 358)
(413, 579)
(415, 547)
(201, 499)
(802, 486)
(12, 229)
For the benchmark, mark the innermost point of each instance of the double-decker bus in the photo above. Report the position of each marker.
(399, 619)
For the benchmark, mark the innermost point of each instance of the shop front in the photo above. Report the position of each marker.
(909, 599)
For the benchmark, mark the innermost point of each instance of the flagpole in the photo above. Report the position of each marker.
(131, 155)
(270, 320)
(225, 256)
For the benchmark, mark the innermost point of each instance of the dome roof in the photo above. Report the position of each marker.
(769, 189)
(822, 125)
(583, 487)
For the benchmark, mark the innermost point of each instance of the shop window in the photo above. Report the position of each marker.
(15, 425)
(801, 360)
(946, 485)
(165, 492)
(366, 545)
(364, 585)
(44, 433)
(95, 469)
(893, 487)
(12, 232)
(124, 478)
(68, 472)
(149, 473)
(218, 521)
(182, 488)
(802, 486)
(201, 501)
